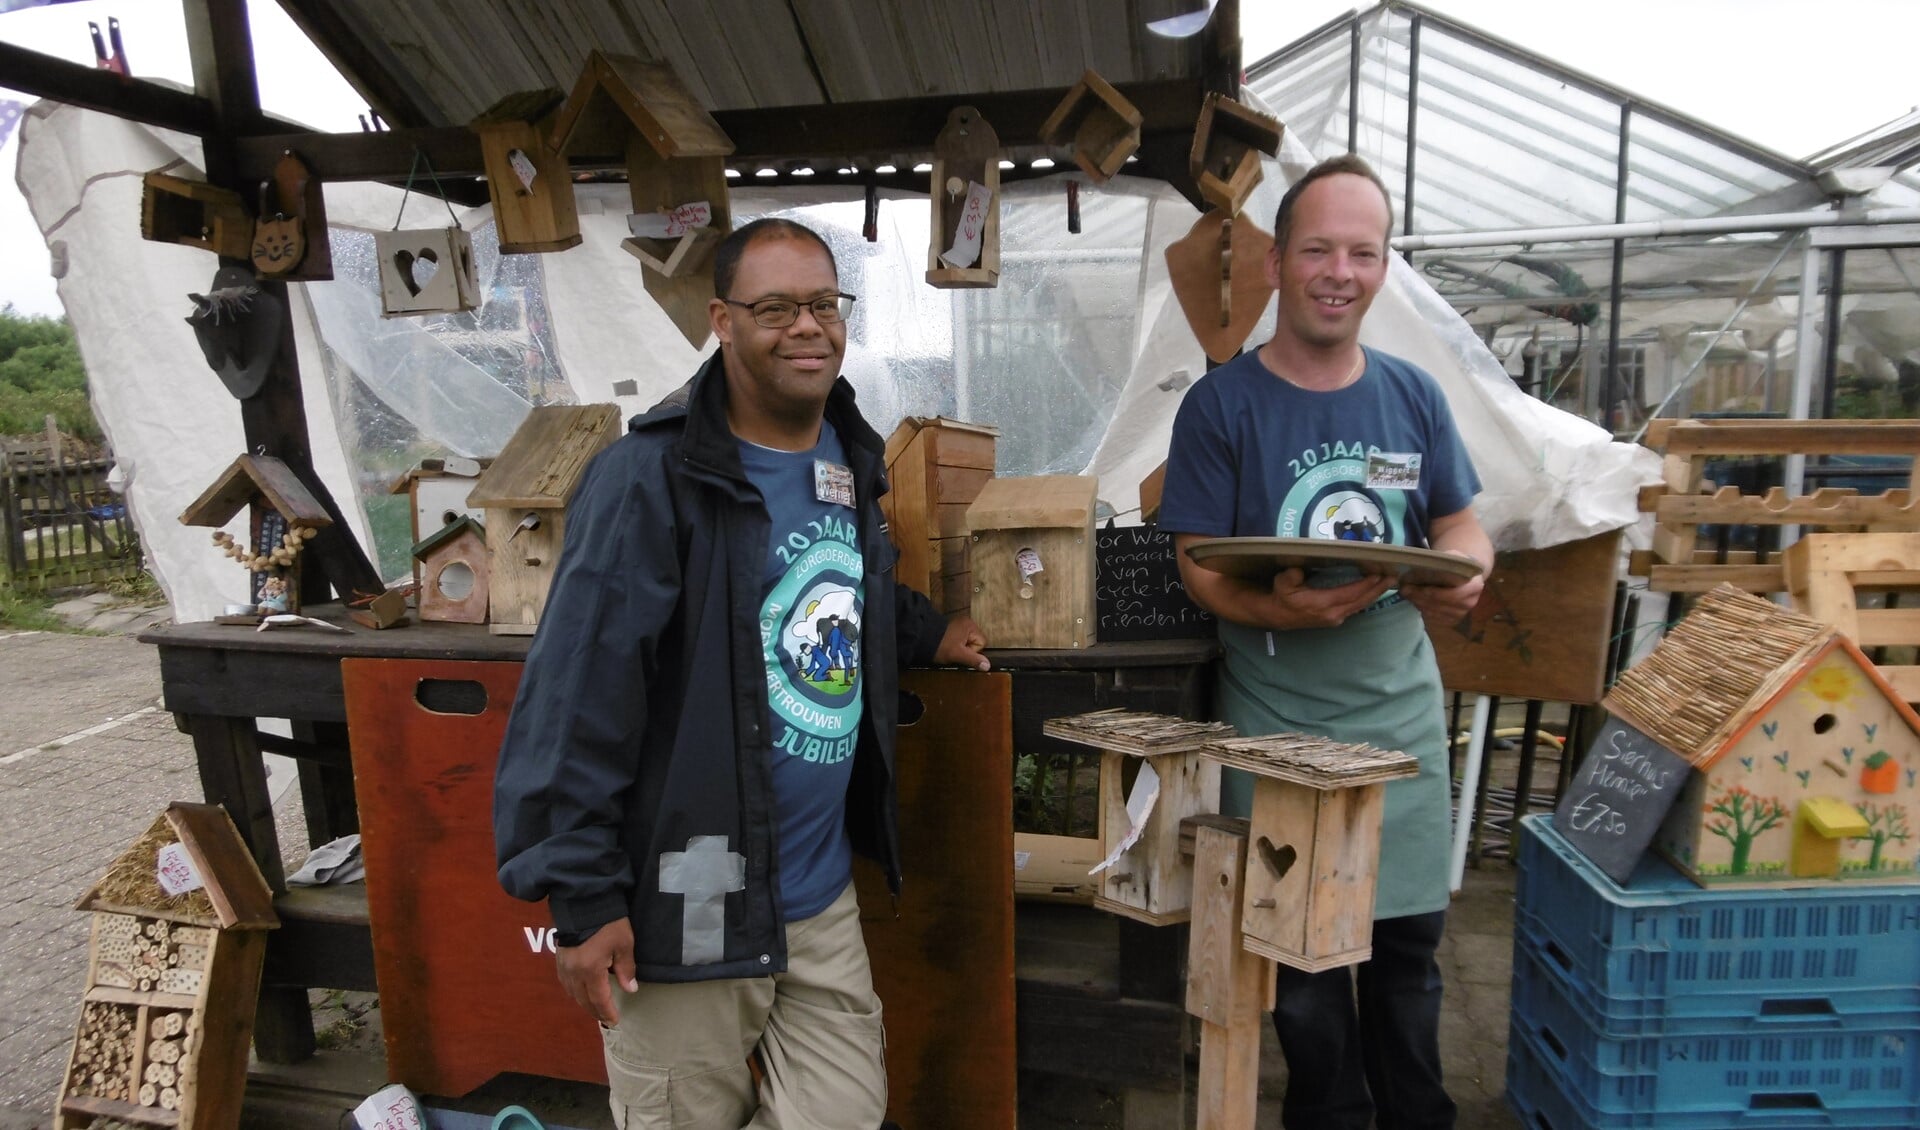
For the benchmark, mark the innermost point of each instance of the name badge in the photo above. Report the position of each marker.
(1393, 470)
(832, 483)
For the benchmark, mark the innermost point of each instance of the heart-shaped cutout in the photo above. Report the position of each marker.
(1279, 860)
(416, 268)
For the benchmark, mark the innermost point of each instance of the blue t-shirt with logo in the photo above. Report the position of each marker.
(811, 612)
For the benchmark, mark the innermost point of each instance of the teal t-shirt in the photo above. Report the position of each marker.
(811, 610)
(1253, 455)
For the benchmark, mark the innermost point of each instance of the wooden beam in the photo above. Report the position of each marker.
(369, 66)
(221, 47)
(44, 76)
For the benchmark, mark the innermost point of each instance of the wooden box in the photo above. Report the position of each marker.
(1031, 554)
(1227, 144)
(175, 210)
(1150, 880)
(530, 184)
(936, 467)
(1314, 856)
(171, 982)
(1098, 121)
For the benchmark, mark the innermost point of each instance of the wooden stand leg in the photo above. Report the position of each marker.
(1229, 989)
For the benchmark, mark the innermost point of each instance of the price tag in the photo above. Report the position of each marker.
(176, 871)
(523, 168)
(965, 251)
(393, 1107)
(672, 224)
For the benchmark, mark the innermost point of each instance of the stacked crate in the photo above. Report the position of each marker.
(936, 467)
(1662, 1004)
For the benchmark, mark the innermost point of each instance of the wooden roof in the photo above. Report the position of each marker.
(447, 533)
(548, 453)
(235, 895)
(252, 475)
(1717, 667)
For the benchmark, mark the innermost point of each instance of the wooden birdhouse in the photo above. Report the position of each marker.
(437, 492)
(284, 516)
(1788, 726)
(1314, 853)
(528, 181)
(964, 245)
(1031, 554)
(454, 570)
(1099, 123)
(1227, 144)
(936, 468)
(195, 213)
(1151, 777)
(173, 973)
(524, 493)
(426, 271)
(676, 174)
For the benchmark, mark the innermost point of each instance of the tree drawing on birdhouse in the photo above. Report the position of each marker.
(1886, 823)
(1741, 816)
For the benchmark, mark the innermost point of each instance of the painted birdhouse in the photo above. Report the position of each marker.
(1031, 554)
(524, 493)
(195, 213)
(1806, 759)
(437, 492)
(528, 182)
(1099, 123)
(1227, 144)
(426, 271)
(173, 969)
(454, 572)
(676, 174)
(1314, 857)
(1151, 777)
(284, 516)
(963, 247)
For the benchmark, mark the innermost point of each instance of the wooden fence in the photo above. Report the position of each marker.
(59, 524)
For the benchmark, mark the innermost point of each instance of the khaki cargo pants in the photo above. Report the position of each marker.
(678, 1061)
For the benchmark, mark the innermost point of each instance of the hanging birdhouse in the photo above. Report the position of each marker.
(1151, 777)
(1098, 122)
(676, 174)
(1227, 144)
(285, 516)
(195, 213)
(1314, 849)
(529, 183)
(964, 248)
(525, 493)
(426, 271)
(290, 229)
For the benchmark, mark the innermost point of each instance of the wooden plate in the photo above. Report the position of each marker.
(1258, 559)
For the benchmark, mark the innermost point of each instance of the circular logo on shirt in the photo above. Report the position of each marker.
(810, 634)
(1331, 502)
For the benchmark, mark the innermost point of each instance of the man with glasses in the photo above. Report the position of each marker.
(675, 784)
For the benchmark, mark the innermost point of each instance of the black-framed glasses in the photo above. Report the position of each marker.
(779, 313)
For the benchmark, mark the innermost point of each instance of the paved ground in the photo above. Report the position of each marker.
(87, 759)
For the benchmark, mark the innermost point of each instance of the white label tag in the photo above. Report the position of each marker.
(832, 483)
(523, 168)
(1020, 860)
(965, 251)
(392, 1107)
(1393, 470)
(673, 224)
(176, 871)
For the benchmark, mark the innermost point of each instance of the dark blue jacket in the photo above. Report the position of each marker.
(641, 720)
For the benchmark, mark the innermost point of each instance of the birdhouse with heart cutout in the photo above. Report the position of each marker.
(676, 174)
(1151, 777)
(1314, 852)
(529, 183)
(426, 271)
(525, 493)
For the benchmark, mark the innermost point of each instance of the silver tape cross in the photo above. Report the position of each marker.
(702, 875)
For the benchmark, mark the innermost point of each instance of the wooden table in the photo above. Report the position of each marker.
(1097, 997)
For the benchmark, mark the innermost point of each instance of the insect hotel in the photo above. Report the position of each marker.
(173, 971)
(1806, 757)
(1151, 778)
(1314, 853)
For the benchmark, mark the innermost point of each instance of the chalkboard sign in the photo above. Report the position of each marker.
(1620, 796)
(1138, 594)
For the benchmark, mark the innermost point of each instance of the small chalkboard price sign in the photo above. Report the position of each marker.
(1137, 593)
(1619, 797)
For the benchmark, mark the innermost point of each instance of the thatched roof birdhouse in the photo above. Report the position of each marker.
(1806, 757)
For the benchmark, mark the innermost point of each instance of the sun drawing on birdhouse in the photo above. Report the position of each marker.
(1832, 683)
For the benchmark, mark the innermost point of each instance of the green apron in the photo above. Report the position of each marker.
(1372, 679)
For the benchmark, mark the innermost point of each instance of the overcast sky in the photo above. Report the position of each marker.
(1793, 75)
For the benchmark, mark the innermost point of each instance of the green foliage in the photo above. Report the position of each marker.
(27, 612)
(41, 373)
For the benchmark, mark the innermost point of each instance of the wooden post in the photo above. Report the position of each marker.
(1229, 989)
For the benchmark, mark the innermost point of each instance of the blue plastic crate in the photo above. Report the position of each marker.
(1546, 1096)
(1663, 946)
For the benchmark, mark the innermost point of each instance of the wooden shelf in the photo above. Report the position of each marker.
(107, 994)
(124, 1112)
